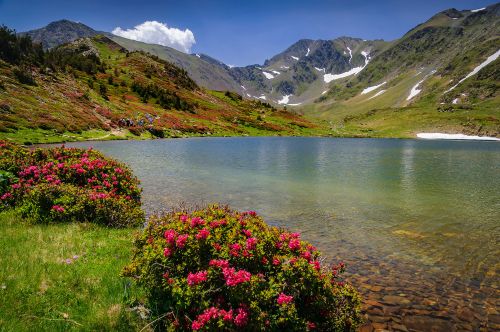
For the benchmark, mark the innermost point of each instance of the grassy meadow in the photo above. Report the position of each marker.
(64, 277)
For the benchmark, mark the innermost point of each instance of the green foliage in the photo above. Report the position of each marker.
(164, 98)
(6, 179)
(103, 91)
(47, 203)
(218, 269)
(23, 75)
(79, 58)
(17, 49)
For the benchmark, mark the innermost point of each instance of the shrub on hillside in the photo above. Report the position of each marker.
(23, 75)
(80, 185)
(218, 269)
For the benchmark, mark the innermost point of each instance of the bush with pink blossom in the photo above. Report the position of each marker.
(69, 184)
(219, 269)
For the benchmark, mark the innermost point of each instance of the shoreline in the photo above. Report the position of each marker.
(417, 137)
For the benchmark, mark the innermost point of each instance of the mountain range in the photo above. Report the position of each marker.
(441, 75)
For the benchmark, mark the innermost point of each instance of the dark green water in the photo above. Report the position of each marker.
(394, 210)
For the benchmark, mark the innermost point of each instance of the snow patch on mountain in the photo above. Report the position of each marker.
(332, 77)
(477, 10)
(198, 55)
(243, 87)
(455, 136)
(284, 100)
(324, 92)
(284, 67)
(308, 51)
(320, 69)
(350, 54)
(377, 94)
(295, 58)
(268, 75)
(415, 90)
(275, 72)
(489, 60)
(371, 88)
(262, 97)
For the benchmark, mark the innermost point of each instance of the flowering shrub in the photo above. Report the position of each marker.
(68, 184)
(218, 269)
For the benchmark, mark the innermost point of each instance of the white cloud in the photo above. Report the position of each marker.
(154, 32)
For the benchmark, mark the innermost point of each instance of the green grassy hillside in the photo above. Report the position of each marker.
(95, 89)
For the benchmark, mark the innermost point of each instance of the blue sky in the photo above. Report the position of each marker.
(239, 32)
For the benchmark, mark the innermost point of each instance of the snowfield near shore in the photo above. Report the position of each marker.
(455, 136)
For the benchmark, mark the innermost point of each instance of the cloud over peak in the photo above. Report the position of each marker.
(154, 32)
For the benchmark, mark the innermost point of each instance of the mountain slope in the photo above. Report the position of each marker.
(94, 88)
(408, 87)
(206, 71)
(60, 32)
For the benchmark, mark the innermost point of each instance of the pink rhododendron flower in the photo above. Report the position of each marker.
(167, 252)
(311, 325)
(307, 255)
(241, 318)
(58, 208)
(170, 236)
(203, 234)
(251, 243)
(197, 221)
(6, 196)
(222, 263)
(234, 277)
(247, 232)
(294, 244)
(181, 240)
(284, 299)
(317, 266)
(196, 278)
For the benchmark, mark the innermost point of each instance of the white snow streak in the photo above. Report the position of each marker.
(262, 97)
(455, 101)
(320, 69)
(294, 57)
(490, 59)
(268, 75)
(198, 55)
(284, 100)
(455, 136)
(415, 90)
(308, 51)
(276, 72)
(324, 92)
(331, 77)
(350, 54)
(477, 10)
(371, 88)
(377, 94)
(243, 87)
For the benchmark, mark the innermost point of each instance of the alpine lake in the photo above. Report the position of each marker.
(417, 222)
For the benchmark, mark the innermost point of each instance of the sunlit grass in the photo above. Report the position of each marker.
(64, 277)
